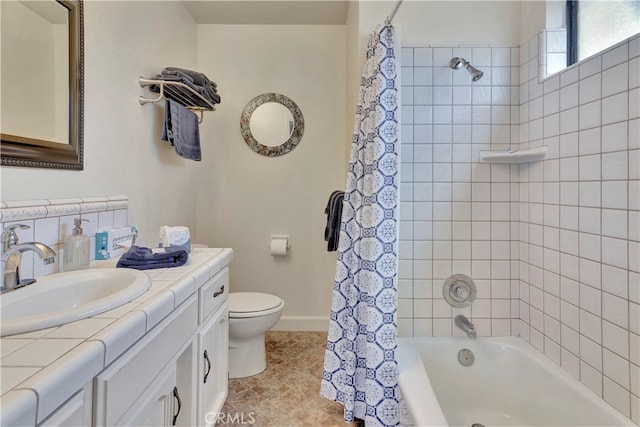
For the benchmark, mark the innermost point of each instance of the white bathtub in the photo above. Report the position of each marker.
(509, 384)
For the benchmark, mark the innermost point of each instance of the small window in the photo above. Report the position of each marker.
(593, 26)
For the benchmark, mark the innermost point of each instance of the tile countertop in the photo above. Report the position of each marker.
(40, 370)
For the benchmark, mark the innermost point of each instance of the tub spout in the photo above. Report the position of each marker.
(463, 323)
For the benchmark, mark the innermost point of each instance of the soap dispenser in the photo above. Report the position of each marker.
(76, 248)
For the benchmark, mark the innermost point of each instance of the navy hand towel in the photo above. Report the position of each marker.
(181, 130)
(144, 259)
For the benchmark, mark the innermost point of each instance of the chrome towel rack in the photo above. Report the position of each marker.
(179, 92)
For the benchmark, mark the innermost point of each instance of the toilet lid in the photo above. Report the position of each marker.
(248, 302)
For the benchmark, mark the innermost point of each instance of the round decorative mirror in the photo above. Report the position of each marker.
(272, 124)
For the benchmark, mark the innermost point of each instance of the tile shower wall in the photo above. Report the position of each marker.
(51, 221)
(553, 246)
(456, 214)
(579, 223)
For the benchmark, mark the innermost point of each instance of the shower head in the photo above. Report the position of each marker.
(457, 63)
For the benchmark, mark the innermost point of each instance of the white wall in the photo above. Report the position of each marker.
(532, 20)
(244, 197)
(123, 151)
(447, 22)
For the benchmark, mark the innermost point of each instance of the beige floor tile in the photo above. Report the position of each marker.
(287, 393)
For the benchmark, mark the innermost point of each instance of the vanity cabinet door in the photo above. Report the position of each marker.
(213, 366)
(159, 403)
(74, 412)
(120, 387)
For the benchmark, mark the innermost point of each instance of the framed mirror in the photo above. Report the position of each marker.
(272, 124)
(42, 83)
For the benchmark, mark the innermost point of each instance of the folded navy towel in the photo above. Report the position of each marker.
(197, 77)
(144, 259)
(181, 130)
(198, 82)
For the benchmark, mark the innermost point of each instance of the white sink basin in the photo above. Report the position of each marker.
(65, 297)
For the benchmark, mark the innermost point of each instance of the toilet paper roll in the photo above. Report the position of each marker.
(279, 247)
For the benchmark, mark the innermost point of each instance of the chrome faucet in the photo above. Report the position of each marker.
(12, 257)
(463, 323)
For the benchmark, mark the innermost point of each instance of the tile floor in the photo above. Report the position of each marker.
(287, 393)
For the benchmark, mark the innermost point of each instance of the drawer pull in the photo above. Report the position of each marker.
(220, 292)
(177, 396)
(206, 358)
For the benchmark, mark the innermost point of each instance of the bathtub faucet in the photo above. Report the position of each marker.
(463, 323)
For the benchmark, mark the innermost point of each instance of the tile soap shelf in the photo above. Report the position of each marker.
(514, 156)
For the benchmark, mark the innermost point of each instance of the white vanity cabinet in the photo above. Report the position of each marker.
(142, 365)
(177, 374)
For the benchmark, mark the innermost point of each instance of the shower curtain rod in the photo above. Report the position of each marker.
(395, 9)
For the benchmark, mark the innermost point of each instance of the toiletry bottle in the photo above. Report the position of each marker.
(76, 248)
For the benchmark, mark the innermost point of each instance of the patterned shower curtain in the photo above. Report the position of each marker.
(360, 370)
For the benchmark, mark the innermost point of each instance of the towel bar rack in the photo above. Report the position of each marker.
(179, 92)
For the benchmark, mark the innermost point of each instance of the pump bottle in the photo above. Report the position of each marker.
(76, 248)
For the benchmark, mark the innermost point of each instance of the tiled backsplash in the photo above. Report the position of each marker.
(553, 246)
(51, 221)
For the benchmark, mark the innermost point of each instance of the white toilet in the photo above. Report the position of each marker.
(251, 315)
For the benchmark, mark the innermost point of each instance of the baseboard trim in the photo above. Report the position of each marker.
(302, 323)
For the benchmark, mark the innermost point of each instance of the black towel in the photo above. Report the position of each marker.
(334, 218)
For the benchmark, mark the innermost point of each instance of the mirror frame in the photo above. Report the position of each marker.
(286, 146)
(22, 151)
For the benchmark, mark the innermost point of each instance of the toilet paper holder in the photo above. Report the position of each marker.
(276, 244)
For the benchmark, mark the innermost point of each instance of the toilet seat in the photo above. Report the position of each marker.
(253, 304)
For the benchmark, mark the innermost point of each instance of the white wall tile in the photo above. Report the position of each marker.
(590, 142)
(614, 137)
(614, 165)
(615, 108)
(590, 67)
(590, 168)
(590, 115)
(614, 252)
(569, 120)
(590, 89)
(615, 80)
(590, 193)
(422, 57)
(616, 55)
(614, 194)
(616, 396)
(569, 96)
(614, 223)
